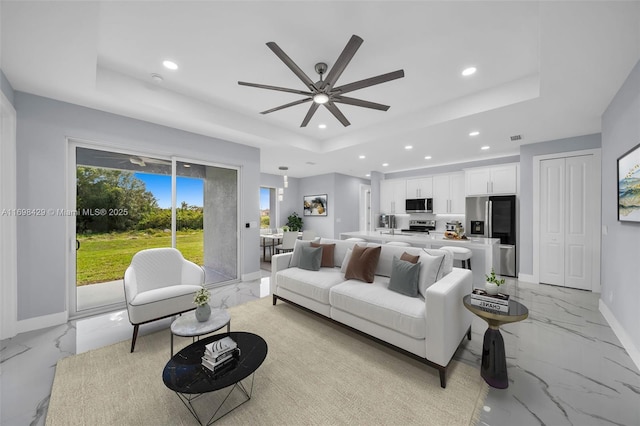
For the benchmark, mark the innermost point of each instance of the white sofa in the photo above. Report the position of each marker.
(430, 328)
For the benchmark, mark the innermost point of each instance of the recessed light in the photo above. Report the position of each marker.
(322, 126)
(408, 147)
(428, 157)
(385, 164)
(485, 147)
(362, 157)
(368, 175)
(474, 133)
(469, 71)
(170, 65)
(186, 165)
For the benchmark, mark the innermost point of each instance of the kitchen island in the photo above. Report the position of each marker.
(485, 252)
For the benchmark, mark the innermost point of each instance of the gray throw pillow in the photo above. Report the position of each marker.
(404, 277)
(310, 258)
(297, 250)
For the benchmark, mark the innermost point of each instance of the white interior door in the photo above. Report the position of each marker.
(565, 218)
(578, 219)
(552, 221)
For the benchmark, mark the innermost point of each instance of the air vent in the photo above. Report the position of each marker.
(311, 163)
(516, 138)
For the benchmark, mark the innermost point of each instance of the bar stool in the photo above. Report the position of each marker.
(460, 253)
(398, 243)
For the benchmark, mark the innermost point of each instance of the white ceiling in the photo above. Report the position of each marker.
(546, 70)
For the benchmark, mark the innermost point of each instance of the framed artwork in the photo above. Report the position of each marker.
(315, 205)
(629, 186)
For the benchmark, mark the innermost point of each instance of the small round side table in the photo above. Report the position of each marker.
(186, 325)
(494, 362)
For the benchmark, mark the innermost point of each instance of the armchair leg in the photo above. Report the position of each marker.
(135, 336)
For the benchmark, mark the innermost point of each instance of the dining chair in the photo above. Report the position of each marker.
(288, 241)
(308, 234)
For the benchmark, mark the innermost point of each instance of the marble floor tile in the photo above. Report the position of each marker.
(566, 366)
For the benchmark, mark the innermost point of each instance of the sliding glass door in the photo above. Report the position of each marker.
(126, 203)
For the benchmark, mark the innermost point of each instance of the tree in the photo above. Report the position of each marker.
(110, 200)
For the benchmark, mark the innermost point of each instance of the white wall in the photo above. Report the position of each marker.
(42, 171)
(621, 242)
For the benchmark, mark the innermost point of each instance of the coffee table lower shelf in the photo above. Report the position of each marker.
(190, 380)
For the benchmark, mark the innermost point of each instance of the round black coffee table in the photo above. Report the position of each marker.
(189, 379)
(494, 362)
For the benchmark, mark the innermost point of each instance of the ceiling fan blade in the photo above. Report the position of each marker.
(307, 118)
(292, 65)
(359, 102)
(343, 60)
(290, 104)
(337, 114)
(280, 89)
(383, 78)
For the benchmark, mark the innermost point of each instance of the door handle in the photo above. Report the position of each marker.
(77, 245)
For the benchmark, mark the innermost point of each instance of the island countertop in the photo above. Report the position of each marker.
(418, 239)
(485, 252)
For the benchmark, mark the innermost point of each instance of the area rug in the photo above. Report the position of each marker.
(316, 373)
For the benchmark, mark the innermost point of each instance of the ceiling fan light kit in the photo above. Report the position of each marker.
(324, 92)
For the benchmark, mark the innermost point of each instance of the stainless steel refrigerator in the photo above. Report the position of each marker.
(495, 217)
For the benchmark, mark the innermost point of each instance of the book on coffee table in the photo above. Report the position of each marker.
(496, 302)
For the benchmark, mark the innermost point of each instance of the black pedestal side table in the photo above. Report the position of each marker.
(494, 361)
(189, 379)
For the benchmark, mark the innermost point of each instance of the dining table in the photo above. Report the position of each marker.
(275, 240)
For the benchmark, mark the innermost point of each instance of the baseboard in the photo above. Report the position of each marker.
(44, 321)
(252, 276)
(527, 278)
(620, 333)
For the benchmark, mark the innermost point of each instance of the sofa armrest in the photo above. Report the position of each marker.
(447, 318)
(278, 263)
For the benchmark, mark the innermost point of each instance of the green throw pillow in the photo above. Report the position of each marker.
(310, 258)
(404, 277)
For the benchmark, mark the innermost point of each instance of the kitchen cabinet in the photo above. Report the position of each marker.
(393, 194)
(420, 188)
(448, 193)
(493, 180)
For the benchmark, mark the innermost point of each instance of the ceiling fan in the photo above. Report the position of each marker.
(323, 92)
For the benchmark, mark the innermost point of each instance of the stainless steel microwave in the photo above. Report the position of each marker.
(419, 205)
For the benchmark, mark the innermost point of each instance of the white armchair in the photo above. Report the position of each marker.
(158, 284)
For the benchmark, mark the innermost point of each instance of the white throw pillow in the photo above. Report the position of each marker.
(430, 269)
(345, 261)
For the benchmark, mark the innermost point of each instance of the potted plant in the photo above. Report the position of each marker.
(294, 222)
(201, 300)
(492, 284)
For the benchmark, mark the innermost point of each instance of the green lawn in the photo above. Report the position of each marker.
(105, 257)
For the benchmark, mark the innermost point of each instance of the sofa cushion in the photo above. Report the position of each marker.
(312, 284)
(340, 250)
(363, 262)
(327, 254)
(404, 277)
(375, 303)
(430, 270)
(386, 257)
(311, 258)
(447, 265)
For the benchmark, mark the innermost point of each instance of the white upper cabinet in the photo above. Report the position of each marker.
(448, 193)
(420, 188)
(392, 196)
(493, 180)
